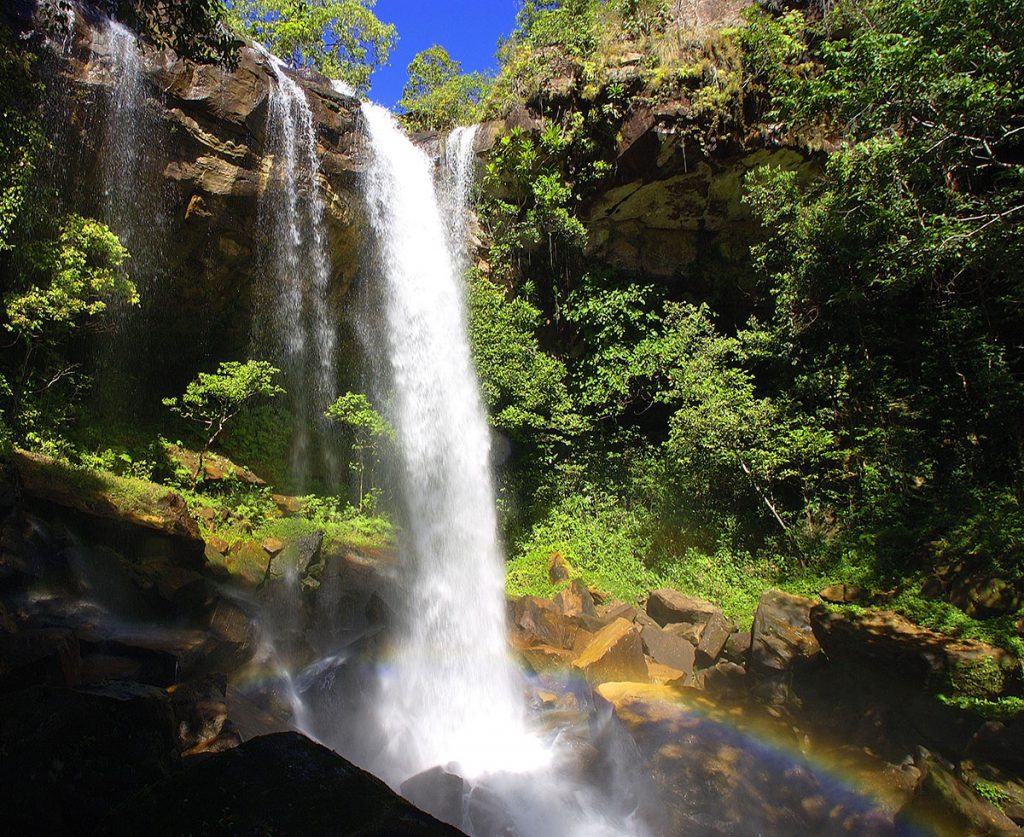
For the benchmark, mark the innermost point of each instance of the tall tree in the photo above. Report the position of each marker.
(438, 95)
(343, 39)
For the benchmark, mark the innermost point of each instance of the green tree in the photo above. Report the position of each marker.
(895, 276)
(343, 39)
(369, 431)
(62, 283)
(212, 399)
(438, 95)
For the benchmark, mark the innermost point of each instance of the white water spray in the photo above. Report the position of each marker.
(452, 696)
(297, 270)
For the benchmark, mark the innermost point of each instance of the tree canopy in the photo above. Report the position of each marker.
(343, 39)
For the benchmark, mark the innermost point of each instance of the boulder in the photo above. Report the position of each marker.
(843, 593)
(616, 653)
(46, 656)
(666, 606)
(686, 630)
(781, 643)
(888, 642)
(200, 711)
(712, 639)
(575, 600)
(1001, 743)
(274, 784)
(131, 502)
(668, 649)
(437, 792)
(69, 755)
(737, 647)
(541, 621)
(724, 680)
(558, 568)
(298, 555)
(945, 805)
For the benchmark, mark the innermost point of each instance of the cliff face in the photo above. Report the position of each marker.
(176, 162)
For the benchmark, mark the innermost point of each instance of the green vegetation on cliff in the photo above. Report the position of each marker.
(855, 413)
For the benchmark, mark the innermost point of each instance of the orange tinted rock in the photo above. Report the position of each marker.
(616, 653)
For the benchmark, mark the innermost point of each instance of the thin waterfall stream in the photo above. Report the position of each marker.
(294, 323)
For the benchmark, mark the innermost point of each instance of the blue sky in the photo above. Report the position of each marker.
(468, 29)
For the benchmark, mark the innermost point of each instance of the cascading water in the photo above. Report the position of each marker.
(452, 695)
(294, 319)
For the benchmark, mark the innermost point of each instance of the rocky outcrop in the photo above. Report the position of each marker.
(130, 502)
(273, 784)
(887, 642)
(203, 159)
(781, 642)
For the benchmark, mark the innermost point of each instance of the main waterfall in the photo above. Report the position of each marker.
(452, 698)
(451, 695)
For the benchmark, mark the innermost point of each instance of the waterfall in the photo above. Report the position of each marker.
(293, 318)
(453, 695)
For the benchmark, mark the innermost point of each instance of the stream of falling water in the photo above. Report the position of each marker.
(294, 319)
(453, 697)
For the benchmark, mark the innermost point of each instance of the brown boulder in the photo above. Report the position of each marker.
(558, 568)
(945, 805)
(666, 606)
(712, 639)
(616, 653)
(200, 711)
(668, 649)
(842, 593)
(47, 656)
(575, 600)
(737, 647)
(781, 644)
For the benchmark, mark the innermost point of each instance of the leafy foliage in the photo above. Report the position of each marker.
(343, 39)
(214, 398)
(369, 431)
(438, 95)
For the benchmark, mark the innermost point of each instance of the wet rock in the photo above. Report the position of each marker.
(301, 553)
(113, 660)
(47, 656)
(616, 653)
(888, 641)
(781, 642)
(274, 784)
(712, 639)
(724, 679)
(667, 606)
(272, 546)
(947, 806)
(668, 649)
(488, 813)
(200, 711)
(437, 792)
(1001, 743)
(70, 754)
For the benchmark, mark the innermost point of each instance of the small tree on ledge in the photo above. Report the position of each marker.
(214, 398)
(369, 430)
